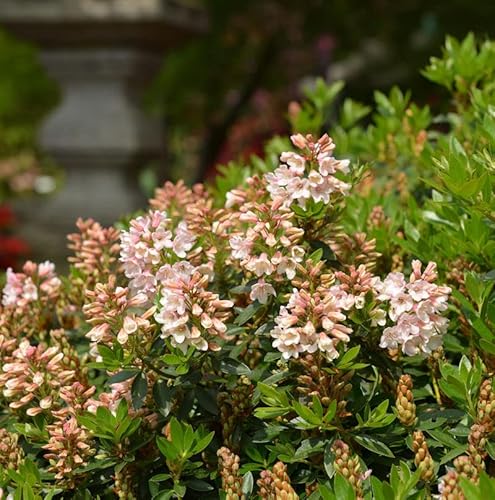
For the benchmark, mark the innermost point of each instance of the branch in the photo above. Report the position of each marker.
(217, 134)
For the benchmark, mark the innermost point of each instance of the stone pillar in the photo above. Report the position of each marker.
(100, 136)
(102, 54)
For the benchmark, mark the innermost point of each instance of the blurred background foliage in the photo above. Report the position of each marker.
(26, 95)
(224, 93)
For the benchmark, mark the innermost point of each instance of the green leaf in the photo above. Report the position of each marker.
(177, 432)
(247, 484)
(444, 438)
(347, 358)
(160, 477)
(167, 448)
(121, 376)
(306, 414)
(326, 493)
(328, 460)
(270, 412)
(27, 492)
(374, 445)
(343, 489)
(234, 367)
(331, 411)
(198, 485)
(317, 407)
(207, 399)
(272, 395)
(202, 443)
(139, 390)
(246, 314)
(381, 491)
(163, 396)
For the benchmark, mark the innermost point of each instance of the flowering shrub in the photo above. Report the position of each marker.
(306, 328)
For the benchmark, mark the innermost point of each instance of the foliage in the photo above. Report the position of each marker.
(26, 95)
(274, 335)
(264, 49)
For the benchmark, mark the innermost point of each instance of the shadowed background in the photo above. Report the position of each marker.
(100, 100)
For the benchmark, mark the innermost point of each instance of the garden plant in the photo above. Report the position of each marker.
(318, 324)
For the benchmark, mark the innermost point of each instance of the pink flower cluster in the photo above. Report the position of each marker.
(36, 282)
(311, 322)
(67, 448)
(112, 399)
(150, 243)
(267, 248)
(415, 308)
(33, 375)
(296, 181)
(110, 311)
(188, 312)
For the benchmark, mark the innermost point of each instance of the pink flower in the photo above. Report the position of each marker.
(36, 282)
(393, 285)
(310, 323)
(299, 141)
(415, 308)
(241, 247)
(399, 305)
(261, 291)
(183, 241)
(328, 165)
(295, 162)
(186, 305)
(150, 243)
(260, 265)
(295, 181)
(98, 332)
(29, 290)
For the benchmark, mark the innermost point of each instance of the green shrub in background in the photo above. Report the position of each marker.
(275, 335)
(26, 95)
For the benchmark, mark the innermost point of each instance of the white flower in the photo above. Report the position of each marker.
(391, 338)
(97, 333)
(232, 199)
(297, 253)
(287, 342)
(393, 285)
(329, 165)
(399, 305)
(295, 162)
(327, 346)
(359, 302)
(260, 291)
(420, 290)
(29, 290)
(343, 300)
(260, 265)
(183, 241)
(129, 326)
(287, 266)
(241, 247)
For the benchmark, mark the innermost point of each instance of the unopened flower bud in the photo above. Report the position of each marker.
(422, 457)
(406, 409)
